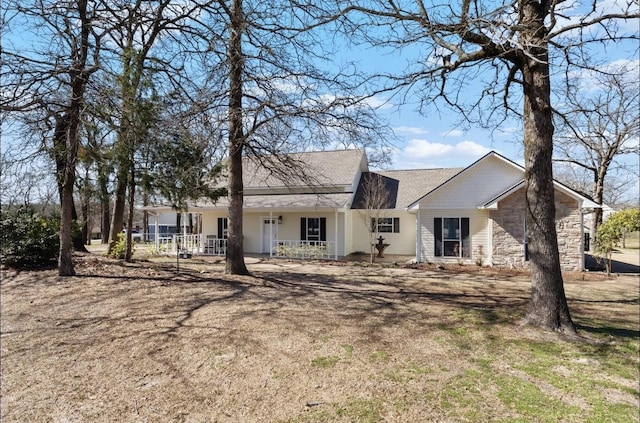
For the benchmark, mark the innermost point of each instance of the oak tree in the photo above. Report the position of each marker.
(51, 77)
(510, 50)
(277, 99)
(598, 128)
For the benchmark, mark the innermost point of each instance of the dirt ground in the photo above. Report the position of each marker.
(139, 343)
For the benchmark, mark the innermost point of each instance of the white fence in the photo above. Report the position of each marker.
(303, 249)
(193, 244)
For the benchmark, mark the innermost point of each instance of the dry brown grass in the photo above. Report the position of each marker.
(305, 342)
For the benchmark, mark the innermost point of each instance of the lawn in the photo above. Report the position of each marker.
(300, 342)
(632, 240)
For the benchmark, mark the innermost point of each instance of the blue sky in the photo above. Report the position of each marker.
(437, 141)
(435, 138)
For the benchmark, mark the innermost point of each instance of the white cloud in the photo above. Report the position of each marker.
(471, 148)
(420, 153)
(509, 130)
(380, 103)
(453, 133)
(411, 130)
(590, 80)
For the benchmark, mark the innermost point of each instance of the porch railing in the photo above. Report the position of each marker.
(209, 245)
(215, 246)
(190, 242)
(303, 249)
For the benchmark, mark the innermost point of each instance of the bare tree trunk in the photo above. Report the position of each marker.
(65, 262)
(105, 204)
(86, 219)
(145, 217)
(117, 221)
(235, 249)
(61, 158)
(78, 78)
(598, 195)
(548, 305)
(132, 191)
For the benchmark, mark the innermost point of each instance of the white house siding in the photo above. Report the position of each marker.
(349, 219)
(401, 243)
(474, 186)
(478, 232)
(210, 222)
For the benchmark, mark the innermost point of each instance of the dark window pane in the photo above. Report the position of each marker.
(466, 240)
(451, 228)
(437, 235)
(452, 249)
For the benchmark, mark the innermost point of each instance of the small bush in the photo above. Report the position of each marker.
(120, 248)
(29, 239)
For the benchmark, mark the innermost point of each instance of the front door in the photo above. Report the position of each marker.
(269, 232)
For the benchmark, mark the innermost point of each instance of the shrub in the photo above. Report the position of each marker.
(29, 239)
(610, 232)
(120, 248)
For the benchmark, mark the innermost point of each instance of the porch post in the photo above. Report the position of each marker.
(270, 234)
(581, 240)
(490, 241)
(200, 233)
(347, 224)
(156, 238)
(418, 237)
(336, 235)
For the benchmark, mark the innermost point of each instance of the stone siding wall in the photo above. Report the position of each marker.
(508, 231)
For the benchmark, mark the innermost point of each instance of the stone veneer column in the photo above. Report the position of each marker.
(508, 231)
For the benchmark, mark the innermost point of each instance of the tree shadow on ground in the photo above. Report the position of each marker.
(597, 264)
(609, 331)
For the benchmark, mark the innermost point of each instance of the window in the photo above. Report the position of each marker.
(313, 229)
(386, 224)
(451, 236)
(223, 228)
(166, 230)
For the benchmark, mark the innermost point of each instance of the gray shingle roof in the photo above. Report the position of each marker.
(406, 186)
(321, 168)
(330, 173)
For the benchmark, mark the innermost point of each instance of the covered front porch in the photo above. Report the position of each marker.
(294, 234)
(193, 244)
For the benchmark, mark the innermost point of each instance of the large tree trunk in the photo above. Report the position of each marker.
(65, 262)
(117, 220)
(235, 250)
(61, 158)
(548, 305)
(105, 204)
(145, 217)
(132, 191)
(86, 220)
(598, 193)
(78, 81)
